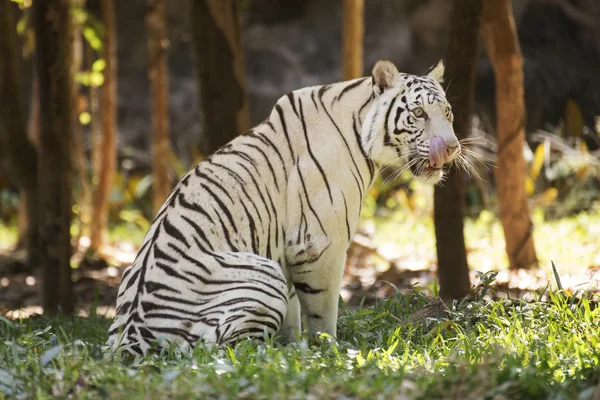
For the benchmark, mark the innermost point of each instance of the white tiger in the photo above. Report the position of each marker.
(259, 231)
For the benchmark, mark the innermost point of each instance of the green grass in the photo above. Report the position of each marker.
(502, 350)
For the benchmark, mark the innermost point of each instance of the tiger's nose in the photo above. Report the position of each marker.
(453, 148)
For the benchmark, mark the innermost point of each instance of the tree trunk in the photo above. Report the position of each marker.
(33, 134)
(83, 190)
(33, 123)
(453, 269)
(96, 144)
(107, 146)
(53, 58)
(221, 76)
(161, 149)
(502, 46)
(352, 39)
(20, 151)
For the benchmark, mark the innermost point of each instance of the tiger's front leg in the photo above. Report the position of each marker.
(315, 248)
(315, 268)
(318, 288)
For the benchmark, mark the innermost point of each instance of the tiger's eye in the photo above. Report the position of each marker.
(418, 112)
(449, 115)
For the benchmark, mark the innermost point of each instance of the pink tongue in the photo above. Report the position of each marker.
(438, 154)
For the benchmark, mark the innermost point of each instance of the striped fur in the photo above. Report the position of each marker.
(260, 229)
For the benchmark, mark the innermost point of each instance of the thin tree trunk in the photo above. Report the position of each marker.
(80, 158)
(53, 57)
(453, 269)
(33, 122)
(502, 46)
(353, 35)
(220, 65)
(82, 186)
(20, 151)
(107, 157)
(159, 73)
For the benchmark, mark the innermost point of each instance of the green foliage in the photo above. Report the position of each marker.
(510, 349)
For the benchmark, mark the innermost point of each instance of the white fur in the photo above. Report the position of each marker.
(306, 247)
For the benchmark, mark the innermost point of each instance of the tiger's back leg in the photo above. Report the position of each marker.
(220, 298)
(254, 303)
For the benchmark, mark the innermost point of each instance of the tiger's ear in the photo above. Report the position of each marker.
(384, 75)
(437, 72)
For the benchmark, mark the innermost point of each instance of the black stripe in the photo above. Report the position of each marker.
(306, 288)
(312, 97)
(312, 155)
(172, 231)
(226, 265)
(258, 190)
(189, 259)
(366, 103)
(140, 251)
(242, 183)
(346, 210)
(285, 132)
(238, 300)
(387, 141)
(180, 300)
(202, 175)
(308, 201)
(116, 329)
(290, 96)
(322, 91)
(171, 272)
(123, 308)
(350, 87)
(193, 207)
(360, 188)
(132, 280)
(226, 234)
(269, 254)
(162, 255)
(146, 334)
(221, 205)
(268, 163)
(269, 143)
(368, 161)
(200, 232)
(152, 287)
(302, 219)
(342, 136)
(255, 247)
(248, 332)
(233, 318)
(176, 332)
(254, 288)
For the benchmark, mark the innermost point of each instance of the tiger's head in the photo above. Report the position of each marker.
(410, 122)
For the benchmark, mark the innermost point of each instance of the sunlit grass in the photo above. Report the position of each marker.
(572, 243)
(509, 349)
(8, 236)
